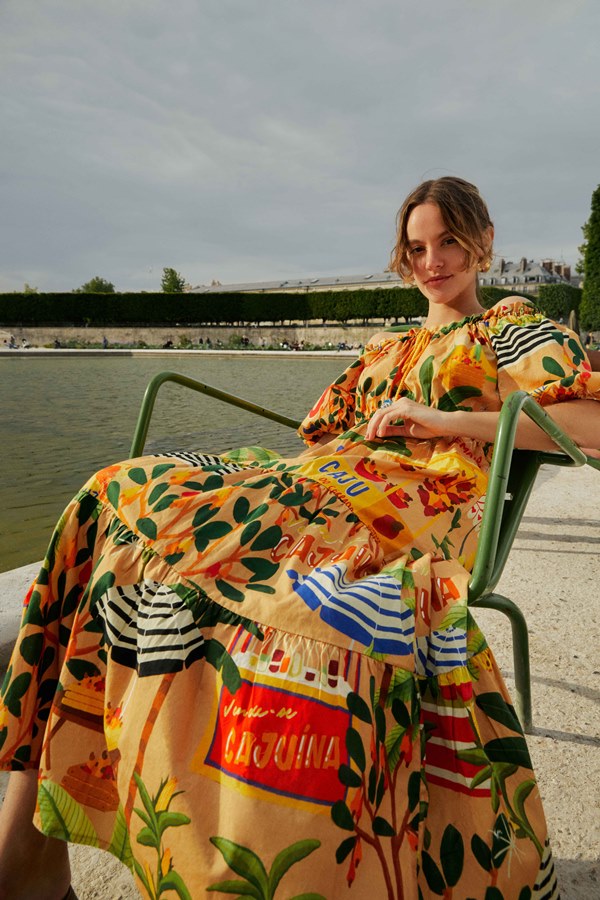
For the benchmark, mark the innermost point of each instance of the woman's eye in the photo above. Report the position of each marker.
(450, 240)
(416, 250)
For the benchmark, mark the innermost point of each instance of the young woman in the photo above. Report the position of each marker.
(258, 676)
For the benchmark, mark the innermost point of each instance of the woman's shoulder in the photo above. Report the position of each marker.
(513, 310)
(386, 339)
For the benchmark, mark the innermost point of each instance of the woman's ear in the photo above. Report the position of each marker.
(485, 260)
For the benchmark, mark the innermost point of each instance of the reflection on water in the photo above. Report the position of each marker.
(64, 418)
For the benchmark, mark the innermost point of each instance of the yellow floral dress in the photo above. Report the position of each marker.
(254, 676)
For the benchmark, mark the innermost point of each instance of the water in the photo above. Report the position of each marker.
(63, 418)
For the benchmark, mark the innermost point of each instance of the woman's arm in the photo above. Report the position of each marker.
(580, 419)
(594, 358)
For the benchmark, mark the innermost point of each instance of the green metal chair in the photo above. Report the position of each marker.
(511, 480)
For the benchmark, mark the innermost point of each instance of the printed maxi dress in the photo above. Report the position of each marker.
(255, 676)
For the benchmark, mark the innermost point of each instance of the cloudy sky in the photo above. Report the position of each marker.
(245, 140)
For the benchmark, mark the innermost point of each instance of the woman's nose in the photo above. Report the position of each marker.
(433, 259)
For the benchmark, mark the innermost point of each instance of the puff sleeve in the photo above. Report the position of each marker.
(333, 412)
(539, 356)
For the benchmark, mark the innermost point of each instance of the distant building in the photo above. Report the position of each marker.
(526, 275)
(305, 285)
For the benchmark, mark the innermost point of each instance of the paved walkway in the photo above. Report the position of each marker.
(554, 575)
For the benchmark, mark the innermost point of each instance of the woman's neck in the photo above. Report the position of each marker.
(439, 315)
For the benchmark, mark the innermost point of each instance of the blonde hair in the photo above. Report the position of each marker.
(464, 213)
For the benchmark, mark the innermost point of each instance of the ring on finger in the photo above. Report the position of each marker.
(386, 403)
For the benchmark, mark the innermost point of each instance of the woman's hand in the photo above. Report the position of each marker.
(405, 418)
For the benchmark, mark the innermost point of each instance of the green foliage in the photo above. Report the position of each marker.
(589, 311)
(172, 282)
(95, 285)
(491, 295)
(141, 308)
(580, 264)
(557, 300)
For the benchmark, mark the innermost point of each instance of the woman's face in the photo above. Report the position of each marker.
(439, 265)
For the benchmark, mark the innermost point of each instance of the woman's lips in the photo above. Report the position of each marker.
(440, 279)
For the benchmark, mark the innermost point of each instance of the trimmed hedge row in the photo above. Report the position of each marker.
(238, 308)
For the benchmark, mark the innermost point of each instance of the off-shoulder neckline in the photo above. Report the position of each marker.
(498, 307)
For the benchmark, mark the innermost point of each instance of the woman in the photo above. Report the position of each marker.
(258, 676)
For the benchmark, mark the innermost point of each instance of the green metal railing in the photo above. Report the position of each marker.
(511, 479)
(145, 414)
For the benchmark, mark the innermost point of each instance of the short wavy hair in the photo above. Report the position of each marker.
(465, 215)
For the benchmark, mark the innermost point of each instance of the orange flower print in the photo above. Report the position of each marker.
(445, 493)
(461, 367)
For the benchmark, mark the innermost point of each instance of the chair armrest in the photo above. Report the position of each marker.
(485, 571)
(145, 413)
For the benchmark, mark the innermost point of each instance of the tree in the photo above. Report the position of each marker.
(172, 282)
(28, 289)
(589, 311)
(580, 264)
(96, 285)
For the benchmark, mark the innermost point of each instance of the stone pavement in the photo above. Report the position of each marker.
(554, 576)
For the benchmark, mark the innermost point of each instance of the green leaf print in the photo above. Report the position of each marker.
(30, 648)
(450, 401)
(241, 508)
(138, 475)
(147, 527)
(425, 379)
(345, 848)
(217, 656)
(355, 748)
(18, 687)
(228, 590)
(211, 532)
(481, 852)
(119, 842)
(267, 539)
(501, 840)
(262, 569)
(203, 514)
(400, 713)
(495, 706)
(241, 888)
(358, 707)
(342, 816)
(349, 777)
(112, 492)
(64, 818)
(433, 876)
(165, 503)
(160, 469)
(244, 862)
(550, 365)
(452, 855)
(82, 668)
(157, 492)
(456, 617)
(492, 893)
(288, 857)
(174, 882)
(509, 750)
(88, 508)
(250, 532)
(382, 827)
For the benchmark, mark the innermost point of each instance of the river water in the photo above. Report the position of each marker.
(63, 418)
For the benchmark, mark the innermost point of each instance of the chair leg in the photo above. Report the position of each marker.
(520, 638)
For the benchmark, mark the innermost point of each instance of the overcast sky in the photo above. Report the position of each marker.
(249, 140)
